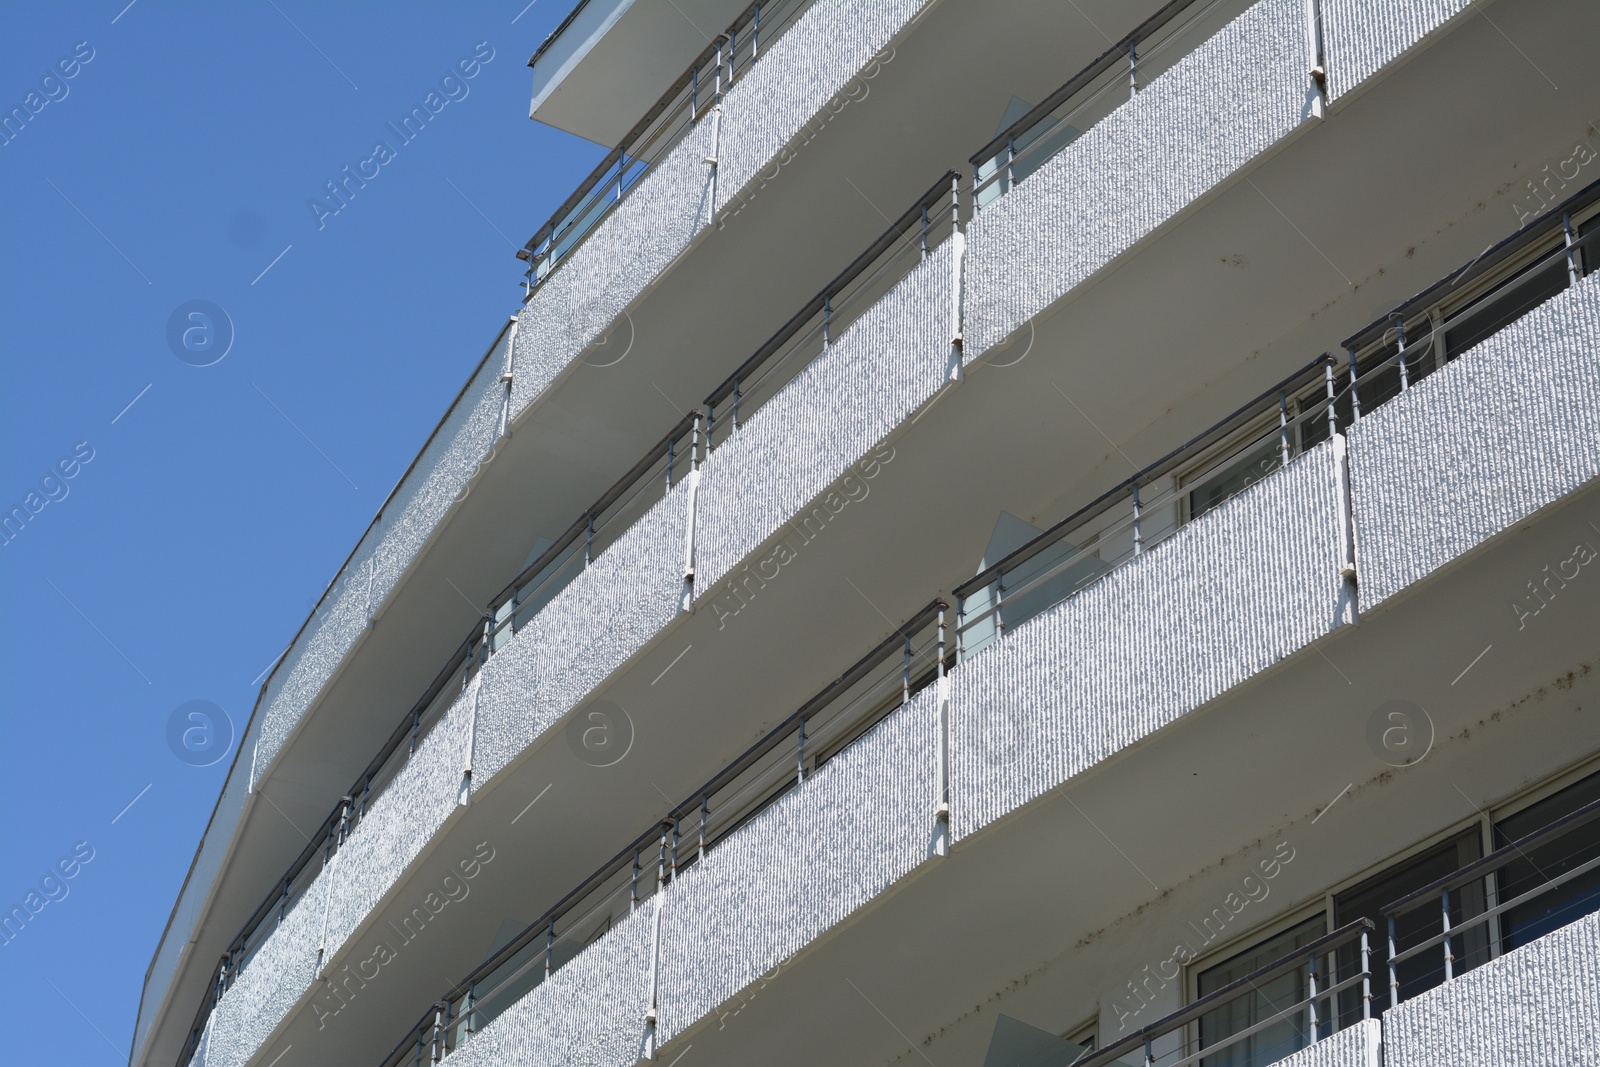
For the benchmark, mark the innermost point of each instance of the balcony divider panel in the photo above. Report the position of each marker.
(1222, 599)
(590, 1013)
(807, 436)
(1511, 426)
(1539, 1003)
(607, 614)
(1190, 129)
(1363, 36)
(854, 827)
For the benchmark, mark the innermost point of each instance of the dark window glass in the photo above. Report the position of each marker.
(1426, 969)
(1266, 999)
(1566, 903)
(1496, 310)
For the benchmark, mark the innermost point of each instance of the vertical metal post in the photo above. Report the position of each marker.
(705, 813)
(827, 315)
(694, 442)
(1394, 975)
(999, 602)
(694, 96)
(661, 857)
(800, 756)
(1366, 977)
(905, 673)
(472, 998)
(549, 948)
(735, 424)
(1355, 398)
(755, 35)
(1138, 529)
(675, 846)
(924, 231)
(283, 900)
(961, 622)
(1573, 272)
(1149, 1060)
(1444, 918)
(1133, 70)
(366, 790)
(416, 724)
(1327, 379)
(1311, 996)
(1283, 427)
(717, 98)
(670, 456)
(1011, 163)
(633, 889)
(588, 540)
(955, 201)
(1400, 352)
(941, 641)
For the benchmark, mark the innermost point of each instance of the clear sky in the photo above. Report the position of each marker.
(182, 519)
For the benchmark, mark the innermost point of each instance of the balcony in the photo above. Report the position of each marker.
(726, 476)
(876, 810)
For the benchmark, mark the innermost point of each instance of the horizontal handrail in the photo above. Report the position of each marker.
(721, 50)
(1351, 933)
(1487, 262)
(1220, 431)
(668, 824)
(1494, 860)
(916, 214)
(1102, 63)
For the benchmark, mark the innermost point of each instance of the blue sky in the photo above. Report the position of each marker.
(189, 516)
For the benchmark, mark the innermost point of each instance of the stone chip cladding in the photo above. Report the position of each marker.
(1474, 448)
(1196, 125)
(1360, 37)
(1222, 599)
(1538, 1004)
(882, 368)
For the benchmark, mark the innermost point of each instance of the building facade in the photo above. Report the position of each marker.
(1128, 594)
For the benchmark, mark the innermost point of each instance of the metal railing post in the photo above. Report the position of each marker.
(1394, 974)
(694, 96)
(961, 623)
(1327, 378)
(1355, 399)
(1138, 530)
(1283, 427)
(1133, 69)
(905, 673)
(671, 446)
(1366, 977)
(675, 847)
(1311, 997)
(705, 813)
(734, 425)
(827, 316)
(633, 888)
(800, 756)
(941, 642)
(1444, 919)
(924, 231)
(1011, 162)
(472, 999)
(588, 540)
(1571, 237)
(549, 948)
(755, 35)
(1400, 352)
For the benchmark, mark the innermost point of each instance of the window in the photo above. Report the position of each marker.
(1566, 903)
(1271, 1043)
(1425, 970)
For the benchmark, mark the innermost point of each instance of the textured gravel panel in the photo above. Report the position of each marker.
(589, 1014)
(1359, 1045)
(1536, 1005)
(383, 555)
(861, 822)
(1360, 37)
(1194, 126)
(798, 77)
(624, 254)
(805, 438)
(399, 823)
(1221, 600)
(608, 613)
(270, 984)
(1512, 425)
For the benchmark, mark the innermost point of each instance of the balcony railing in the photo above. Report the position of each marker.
(1309, 1015)
(684, 105)
(1382, 361)
(1467, 908)
(907, 242)
(905, 662)
(1090, 95)
(926, 224)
